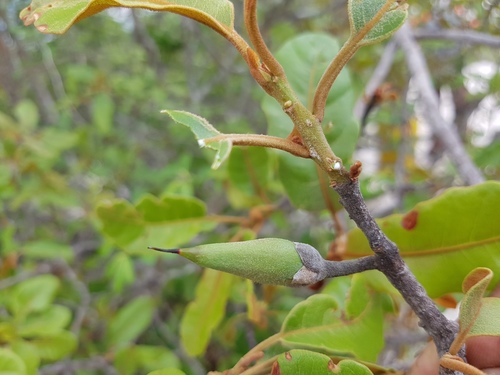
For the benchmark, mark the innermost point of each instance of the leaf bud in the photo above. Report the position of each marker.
(266, 261)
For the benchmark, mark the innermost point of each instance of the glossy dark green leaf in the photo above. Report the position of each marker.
(120, 220)
(45, 249)
(170, 221)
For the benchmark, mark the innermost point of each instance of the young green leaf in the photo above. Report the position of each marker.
(361, 12)
(57, 16)
(202, 129)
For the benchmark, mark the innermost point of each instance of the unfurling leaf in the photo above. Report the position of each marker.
(479, 316)
(202, 130)
(267, 261)
(474, 286)
(57, 16)
(361, 12)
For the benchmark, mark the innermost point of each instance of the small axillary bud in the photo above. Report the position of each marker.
(313, 269)
(266, 261)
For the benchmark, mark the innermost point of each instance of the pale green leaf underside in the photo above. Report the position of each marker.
(474, 286)
(362, 11)
(57, 16)
(444, 238)
(488, 320)
(202, 130)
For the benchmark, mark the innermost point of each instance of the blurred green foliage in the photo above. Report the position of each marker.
(91, 173)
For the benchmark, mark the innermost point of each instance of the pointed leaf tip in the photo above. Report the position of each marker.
(172, 251)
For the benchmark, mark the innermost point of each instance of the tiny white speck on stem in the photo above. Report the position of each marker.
(201, 142)
(336, 166)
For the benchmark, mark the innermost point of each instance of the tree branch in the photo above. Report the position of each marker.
(73, 366)
(378, 76)
(351, 266)
(389, 261)
(445, 131)
(459, 36)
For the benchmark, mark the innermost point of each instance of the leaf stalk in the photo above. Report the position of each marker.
(261, 140)
(252, 26)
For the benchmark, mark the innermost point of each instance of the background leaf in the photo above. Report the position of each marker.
(205, 313)
(169, 221)
(314, 323)
(141, 358)
(33, 295)
(444, 238)
(362, 11)
(11, 363)
(130, 321)
(103, 109)
(304, 59)
(50, 321)
(202, 129)
(56, 346)
(298, 362)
